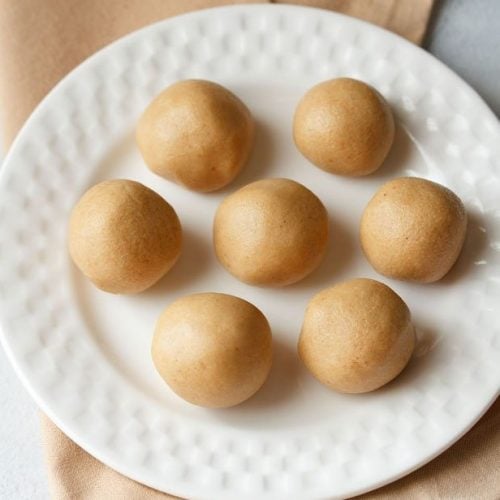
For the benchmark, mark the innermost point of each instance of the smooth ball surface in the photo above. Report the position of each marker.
(344, 126)
(197, 134)
(123, 236)
(356, 336)
(413, 229)
(212, 349)
(271, 232)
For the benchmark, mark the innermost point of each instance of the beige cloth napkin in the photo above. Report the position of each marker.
(42, 41)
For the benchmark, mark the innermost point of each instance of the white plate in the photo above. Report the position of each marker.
(84, 354)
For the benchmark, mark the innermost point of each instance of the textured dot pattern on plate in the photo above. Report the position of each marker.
(84, 355)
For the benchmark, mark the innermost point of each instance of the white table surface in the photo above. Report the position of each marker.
(465, 34)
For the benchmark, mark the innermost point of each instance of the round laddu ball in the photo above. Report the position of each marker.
(271, 232)
(344, 126)
(212, 349)
(356, 336)
(413, 230)
(197, 134)
(123, 236)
